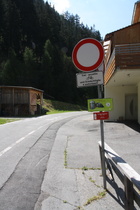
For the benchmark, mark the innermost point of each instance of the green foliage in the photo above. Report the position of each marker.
(85, 168)
(57, 106)
(100, 195)
(36, 44)
(65, 158)
(28, 56)
(10, 70)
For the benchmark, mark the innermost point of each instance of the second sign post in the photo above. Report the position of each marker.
(88, 56)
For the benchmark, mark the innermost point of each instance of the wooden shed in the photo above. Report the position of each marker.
(20, 101)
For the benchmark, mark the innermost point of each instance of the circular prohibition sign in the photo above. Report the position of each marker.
(88, 54)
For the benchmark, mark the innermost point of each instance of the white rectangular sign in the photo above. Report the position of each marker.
(89, 79)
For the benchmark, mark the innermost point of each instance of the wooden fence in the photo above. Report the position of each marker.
(127, 175)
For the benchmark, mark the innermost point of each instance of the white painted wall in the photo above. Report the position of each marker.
(117, 93)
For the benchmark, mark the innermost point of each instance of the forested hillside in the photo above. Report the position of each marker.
(36, 44)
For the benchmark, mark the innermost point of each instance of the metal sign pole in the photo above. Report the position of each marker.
(82, 52)
(102, 143)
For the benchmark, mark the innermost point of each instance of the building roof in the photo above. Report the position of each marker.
(107, 36)
(21, 87)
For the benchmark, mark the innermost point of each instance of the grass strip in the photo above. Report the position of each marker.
(96, 197)
(5, 120)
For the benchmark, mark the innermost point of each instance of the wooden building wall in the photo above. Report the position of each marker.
(128, 35)
(20, 101)
(13, 95)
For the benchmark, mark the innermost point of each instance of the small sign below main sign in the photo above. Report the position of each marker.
(101, 115)
(89, 79)
(100, 104)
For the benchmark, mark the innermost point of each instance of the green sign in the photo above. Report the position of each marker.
(101, 104)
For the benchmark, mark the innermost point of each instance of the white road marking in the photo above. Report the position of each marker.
(17, 142)
(5, 150)
(31, 132)
(22, 138)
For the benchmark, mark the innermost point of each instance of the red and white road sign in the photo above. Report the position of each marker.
(101, 115)
(88, 54)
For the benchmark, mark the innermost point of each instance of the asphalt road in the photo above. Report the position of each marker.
(32, 172)
(25, 147)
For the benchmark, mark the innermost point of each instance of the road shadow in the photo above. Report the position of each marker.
(133, 124)
(119, 196)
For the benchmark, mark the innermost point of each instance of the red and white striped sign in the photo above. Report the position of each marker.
(88, 54)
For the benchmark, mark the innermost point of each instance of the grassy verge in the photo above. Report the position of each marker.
(57, 111)
(4, 120)
(50, 107)
(53, 107)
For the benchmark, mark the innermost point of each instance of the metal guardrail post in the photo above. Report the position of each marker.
(129, 201)
(127, 175)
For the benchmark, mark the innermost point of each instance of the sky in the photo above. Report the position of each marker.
(106, 15)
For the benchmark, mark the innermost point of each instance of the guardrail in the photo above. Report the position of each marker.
(127, 175)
